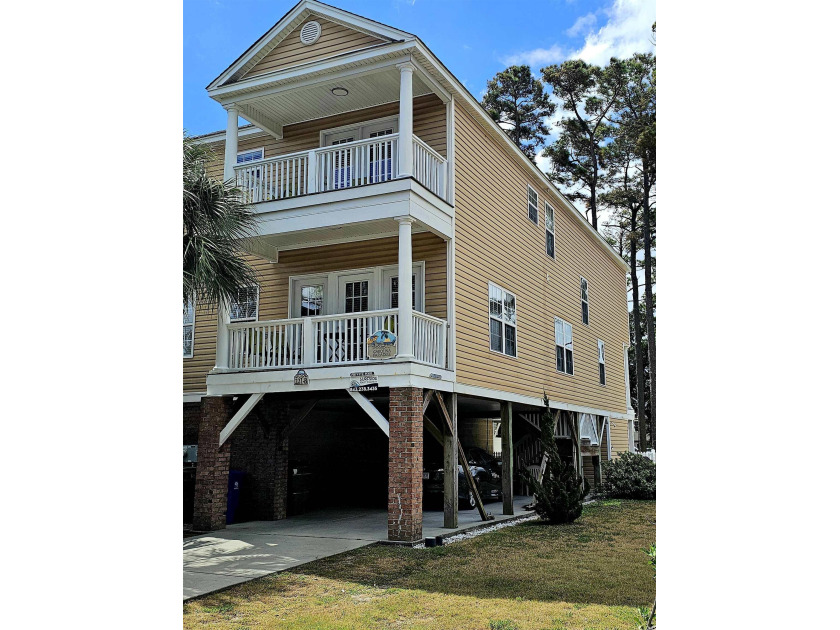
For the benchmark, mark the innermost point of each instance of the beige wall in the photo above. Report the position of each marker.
(274, 287)
(619, 436)
(429, 126)
(496, 242)
(335, 39)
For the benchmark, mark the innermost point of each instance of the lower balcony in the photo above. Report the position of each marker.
(330, 340)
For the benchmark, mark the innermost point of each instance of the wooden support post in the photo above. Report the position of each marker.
(450, 467)
(462, 457)
(507, 456)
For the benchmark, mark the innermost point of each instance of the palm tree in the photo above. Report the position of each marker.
(217, 222)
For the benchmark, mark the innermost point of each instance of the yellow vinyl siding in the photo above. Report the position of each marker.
(429, 126)
(496, 242)
(274, 287)
(335, 39)
(619, 436)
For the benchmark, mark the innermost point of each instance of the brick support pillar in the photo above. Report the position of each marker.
(405, 464)
(280, 489)
(213, 466)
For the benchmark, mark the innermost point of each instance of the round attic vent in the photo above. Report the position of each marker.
(310, 33)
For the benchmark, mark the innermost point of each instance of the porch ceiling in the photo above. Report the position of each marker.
(368, 230)
(317, 101)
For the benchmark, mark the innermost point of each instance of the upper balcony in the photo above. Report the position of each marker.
(342, 165)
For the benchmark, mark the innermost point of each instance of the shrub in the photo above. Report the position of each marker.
(630, 476)
(559, 496)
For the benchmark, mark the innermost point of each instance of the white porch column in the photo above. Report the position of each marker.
(405, 340)
(231, 141)
(222, 337)
(406, 120)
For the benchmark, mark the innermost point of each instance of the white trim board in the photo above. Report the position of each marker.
(535, 401)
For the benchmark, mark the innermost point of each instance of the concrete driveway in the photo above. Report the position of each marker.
(246, 551)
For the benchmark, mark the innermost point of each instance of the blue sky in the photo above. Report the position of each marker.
(473, 38)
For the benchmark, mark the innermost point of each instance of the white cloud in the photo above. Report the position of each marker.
(537, 57)
(626, 31)
(583, 23)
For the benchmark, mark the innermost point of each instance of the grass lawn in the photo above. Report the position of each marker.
(589, 574)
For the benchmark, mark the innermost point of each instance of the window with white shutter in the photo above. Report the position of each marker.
(502, 321)
(189, 328)
(563, 346)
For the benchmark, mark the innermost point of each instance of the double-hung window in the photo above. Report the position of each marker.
(502, 321)
(584, 300)
(533, 212)
(563, 346)
(189, 328)
(395, 291)
(246, 304)
(549, 230)
(602, 370)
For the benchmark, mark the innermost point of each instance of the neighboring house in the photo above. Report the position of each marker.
(389, 200)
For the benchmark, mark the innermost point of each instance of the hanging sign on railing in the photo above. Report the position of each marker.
(382, 345)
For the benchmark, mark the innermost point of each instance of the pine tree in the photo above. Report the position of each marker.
(588, 93)
(560, 494)
(518, 102)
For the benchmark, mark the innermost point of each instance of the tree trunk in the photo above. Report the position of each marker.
(637, 333)
(651, 320)
(593, 192)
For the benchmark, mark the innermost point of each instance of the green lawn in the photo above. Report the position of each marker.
(589, 574)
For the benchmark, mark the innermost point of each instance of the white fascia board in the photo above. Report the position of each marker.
(219, 136)
(300, 75)
(389, 374)
(399, 197)
(459, 90)
(535, 401)
(194, 397)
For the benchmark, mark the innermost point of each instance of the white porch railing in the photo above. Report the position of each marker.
(274, 178)
(356, 163)
(328, 340)
(429, 167)
(336, 167)
(277, 343)
(429, 339)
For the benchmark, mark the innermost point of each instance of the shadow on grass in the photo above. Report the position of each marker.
(596, 560)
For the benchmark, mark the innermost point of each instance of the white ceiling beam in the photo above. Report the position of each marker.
(255, 118)
(372, 411)
(238, 417)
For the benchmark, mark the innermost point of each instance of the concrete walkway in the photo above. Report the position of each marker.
(246, 551)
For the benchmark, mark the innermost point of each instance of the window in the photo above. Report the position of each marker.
(395, 291)
(189, 328)
(602, 371)
(549, 230)
(249, 156)
(563, 343)
(356, 296)
(502, 321)
(244, 307)
(533, 213)
(584, 300)
(311, 299)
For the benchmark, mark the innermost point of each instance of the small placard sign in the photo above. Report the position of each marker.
(363, 382)
(382, 345)
(301, 378)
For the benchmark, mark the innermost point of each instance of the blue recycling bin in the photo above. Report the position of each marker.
(235, 480)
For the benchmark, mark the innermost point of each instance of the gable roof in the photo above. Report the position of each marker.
(296, 16)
